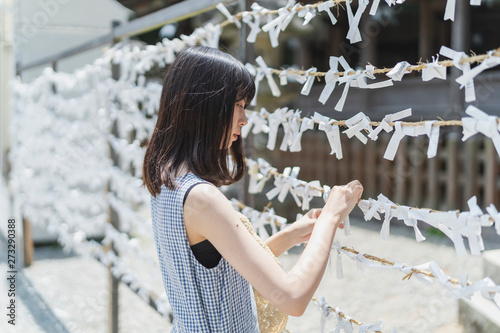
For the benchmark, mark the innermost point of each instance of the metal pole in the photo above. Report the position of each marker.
(246, 54)
(246, 50)
(425, 29)
(459, 42)
(115, 222)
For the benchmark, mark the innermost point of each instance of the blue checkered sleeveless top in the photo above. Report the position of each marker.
(203, 299)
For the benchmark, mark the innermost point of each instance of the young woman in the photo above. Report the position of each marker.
(209, 255)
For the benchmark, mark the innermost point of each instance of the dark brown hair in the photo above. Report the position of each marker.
(196, 110)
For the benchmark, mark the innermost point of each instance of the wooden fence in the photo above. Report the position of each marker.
(459, 171)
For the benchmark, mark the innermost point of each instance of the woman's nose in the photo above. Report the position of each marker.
(243, 119)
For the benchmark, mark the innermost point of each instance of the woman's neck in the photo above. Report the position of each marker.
(182, 170)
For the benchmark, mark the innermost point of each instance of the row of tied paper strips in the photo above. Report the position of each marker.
(454, 225)
(294, 126)
(358, 78)
(135, 63)
(275, 21)
(278, 20)
(61, 168)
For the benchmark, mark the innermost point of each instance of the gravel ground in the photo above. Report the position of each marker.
(66, 293)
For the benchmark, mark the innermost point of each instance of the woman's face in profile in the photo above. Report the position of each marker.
(239, 120)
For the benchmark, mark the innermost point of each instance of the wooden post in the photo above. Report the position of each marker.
(370, 174)
(470, 170)
(246, 55)
(385, 168)
(432, 182)
(452, 162)
(401, 172)
(28, 242)
(416, 162)
(113, 292)
(490, 173)
(460, 42)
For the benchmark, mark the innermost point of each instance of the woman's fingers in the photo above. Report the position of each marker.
(315, 213)
(342, 199)
(353, 182)
(356, 187)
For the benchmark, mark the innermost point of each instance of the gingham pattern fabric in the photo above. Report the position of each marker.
(218, 299)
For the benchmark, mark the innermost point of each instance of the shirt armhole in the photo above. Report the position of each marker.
(189, 190)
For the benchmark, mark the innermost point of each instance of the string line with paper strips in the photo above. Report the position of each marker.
(135, 63)
(361, 127)
(425, 273)
(455, 225)
(65, 191)
(359, 78)
(277, 20)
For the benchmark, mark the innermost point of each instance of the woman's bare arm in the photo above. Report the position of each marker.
(208, 213)
(294, 234)
(281, 242)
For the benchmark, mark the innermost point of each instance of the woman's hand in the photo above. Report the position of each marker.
(340, 203)
(342, 200)
(303, 227)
